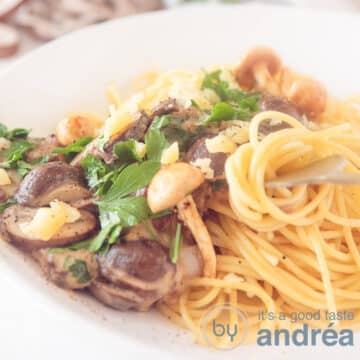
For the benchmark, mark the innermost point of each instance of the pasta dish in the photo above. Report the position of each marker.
(232, 185)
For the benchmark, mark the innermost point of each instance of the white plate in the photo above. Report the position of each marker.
(38, 321)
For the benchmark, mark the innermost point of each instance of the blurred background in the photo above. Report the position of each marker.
(26, 24)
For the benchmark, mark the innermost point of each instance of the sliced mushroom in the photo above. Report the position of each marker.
(117, 298)
(258, 68)
(270, 102)
(189, 214)
(68, 269)
(70, 233)
(165, 107)
(171, 184)
(44, 147)
(85, 204)
(54, 180)
(198, 150)
(8, 191)
(9, 41)
(135, 275)
(136, 132)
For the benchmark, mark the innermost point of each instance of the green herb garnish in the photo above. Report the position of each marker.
(78, 269)
(175, 245)
(80, 245)
(94, 170)
(234, 104)
(15, 153)
(156, 143)
(13, 134)
(71, 150)
(160, 121)
(127, 151)
(119, 208)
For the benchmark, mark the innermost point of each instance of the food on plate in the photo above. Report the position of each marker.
(232, 185)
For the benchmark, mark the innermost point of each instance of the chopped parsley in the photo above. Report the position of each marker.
(80, 245)
(78, 269)
(172, 129)
(13, 134)
(156, 143)
(73, 149)
(234, 103)
(119, 208)
(15, 154)
(127, 151)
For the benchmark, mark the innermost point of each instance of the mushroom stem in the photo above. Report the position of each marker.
(189, 214)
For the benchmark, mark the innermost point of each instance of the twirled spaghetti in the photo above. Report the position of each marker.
(290, 249)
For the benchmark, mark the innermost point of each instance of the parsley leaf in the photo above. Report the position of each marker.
(15, 153)
(234, 104)
(118, 209)
(160, 122)
(78, 269)
(14, 134)
(134, 177)
(156, 143)
(99, 175)
(127, 151)
(172, 128)
(71, 150)
(212, 81)
(221, 111)
(127, 212)
(94, 170)
(80, 245)
(98, 241)
(23, 167)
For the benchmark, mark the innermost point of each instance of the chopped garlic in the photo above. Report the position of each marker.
(204, 166)
(140, 149)
(48, 221)
(171, 154)
(239, 135)
(118, 122)
(4, 178)
(220, 143)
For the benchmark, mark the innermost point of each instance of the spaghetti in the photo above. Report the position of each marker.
(282, 250)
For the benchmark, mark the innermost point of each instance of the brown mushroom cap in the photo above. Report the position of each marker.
(115, 297)
(56, 267)
(69, 234)
(50, 181)
(261, 57)
(136, 274)
(44, 147)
